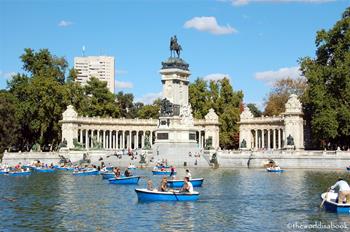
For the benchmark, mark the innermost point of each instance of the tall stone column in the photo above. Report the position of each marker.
(110, 139)
(263, 138)
(256, 139)
(151, 138)
(129, 140)
(274, 139)
(116, 139)
(268, 138)
(279, 138)
(104, 139)
(143, 139)
(137, 139)
(86, 138)
(123, 140)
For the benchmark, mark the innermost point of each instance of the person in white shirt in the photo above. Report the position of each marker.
(188, 174)
(344, 191)
(187, 187)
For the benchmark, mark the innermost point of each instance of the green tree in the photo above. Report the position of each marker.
(125, 103)
(199, 98)
(9, 125)
(149, 111)
(327, 99)
(101, 102)
(255, 111)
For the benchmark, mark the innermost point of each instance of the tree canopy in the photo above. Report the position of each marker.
(327, 98)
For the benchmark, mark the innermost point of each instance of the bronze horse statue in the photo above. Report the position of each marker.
(175, 47)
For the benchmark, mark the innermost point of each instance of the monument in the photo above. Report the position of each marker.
(176, 134)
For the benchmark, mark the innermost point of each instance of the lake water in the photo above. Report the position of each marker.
(230, 200)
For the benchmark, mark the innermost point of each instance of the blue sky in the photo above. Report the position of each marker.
(254, 42)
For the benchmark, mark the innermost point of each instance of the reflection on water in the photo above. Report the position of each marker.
(231, 200)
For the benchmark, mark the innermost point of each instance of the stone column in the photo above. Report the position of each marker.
(129, 140)
(268, 139)
(116, 139)
(143, 139)
(137, 139)
(256, 139)
(263, 138)
(123, 140)
(151, 139)
(104, 139)
(274, 139)
(110, 139)
(87, 140)
(279, 138)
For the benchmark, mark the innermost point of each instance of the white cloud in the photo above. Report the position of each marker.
(64, 23)
(209, 24)
(123, 85)
(216, 77)
(272, 76)
(245, 2)
(149, 98)
(6, 75)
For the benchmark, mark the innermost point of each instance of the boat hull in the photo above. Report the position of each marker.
(274, 170)
(146, 195)
(331, 206)
(196, 182)
(19, 173)
(64, 169)
(167, 173)
(125, 180)
(86, 173)
(3, 172)
(44, 170)
(107, 175)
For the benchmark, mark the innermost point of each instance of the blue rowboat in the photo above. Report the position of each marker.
(132, 167)
(196, 182)
(2, 172)
(46, 170)
(330, 203)
(107, 175)
(92, 172)
(25, 173)
(124, 180)
(274, 170)
(64, 168)
(147, 195)
(159, 172)
(109, 168)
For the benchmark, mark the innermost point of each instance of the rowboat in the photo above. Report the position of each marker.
(159, 172)
(148, 195)
(330, 203)
(107, 175)
(274, 170)
(86, 172)
(25, 173)
(124, 180)
(196, 182)
(64, 168)
(46, 170)
(2, 172)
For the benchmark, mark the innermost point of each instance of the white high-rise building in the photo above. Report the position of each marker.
(101, 67)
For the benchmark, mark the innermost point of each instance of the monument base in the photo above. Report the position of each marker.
(180, 154)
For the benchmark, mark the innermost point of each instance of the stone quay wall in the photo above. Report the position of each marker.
(226, 159)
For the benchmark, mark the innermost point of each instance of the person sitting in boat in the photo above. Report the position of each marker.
(187, 187)
(343, 190)
(149, 185)
(18, 166)
(163, 185)
(117, 172)
(188, 174)
(127, 173)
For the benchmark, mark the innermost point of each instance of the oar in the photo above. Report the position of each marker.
(325, 198)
